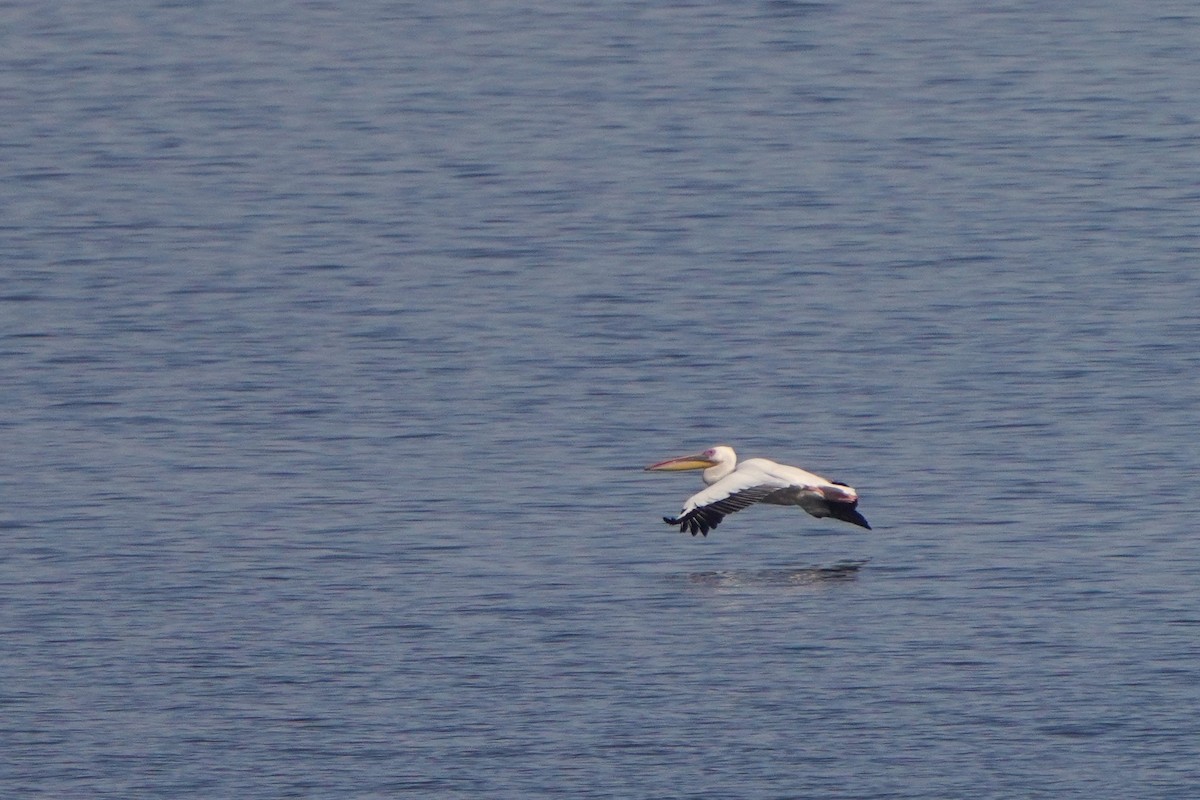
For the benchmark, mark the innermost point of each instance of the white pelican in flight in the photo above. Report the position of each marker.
(733, 486)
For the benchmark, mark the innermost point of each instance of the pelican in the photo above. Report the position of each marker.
(733, 486)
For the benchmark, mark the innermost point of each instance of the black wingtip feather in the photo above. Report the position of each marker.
(847, 512)
(698, 521)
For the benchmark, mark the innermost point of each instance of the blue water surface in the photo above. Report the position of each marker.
(333, 339)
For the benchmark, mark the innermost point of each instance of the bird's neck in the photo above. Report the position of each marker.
(715, 473)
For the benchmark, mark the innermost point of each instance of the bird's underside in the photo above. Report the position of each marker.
(702, 519)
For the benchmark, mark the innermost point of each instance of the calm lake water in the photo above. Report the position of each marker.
(333, 339)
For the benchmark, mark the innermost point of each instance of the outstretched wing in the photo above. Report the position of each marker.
(705, 510)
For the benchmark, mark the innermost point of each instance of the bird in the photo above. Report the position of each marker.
(733, 486)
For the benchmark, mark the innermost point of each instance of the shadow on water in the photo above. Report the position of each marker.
(783, 576)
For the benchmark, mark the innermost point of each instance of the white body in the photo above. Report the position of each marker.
(755, 472)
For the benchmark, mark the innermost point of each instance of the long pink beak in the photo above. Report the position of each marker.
(681, 463)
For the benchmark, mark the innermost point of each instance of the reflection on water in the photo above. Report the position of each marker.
(783, 576)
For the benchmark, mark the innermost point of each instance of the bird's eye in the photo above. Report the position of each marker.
(709, 452)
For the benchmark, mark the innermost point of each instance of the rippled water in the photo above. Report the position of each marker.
(334, 339)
